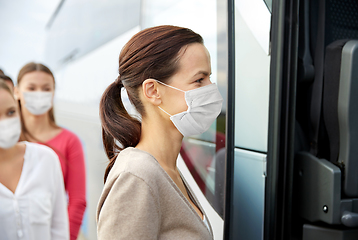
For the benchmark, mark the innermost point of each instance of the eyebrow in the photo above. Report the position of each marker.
(45, 85)
(202, 72)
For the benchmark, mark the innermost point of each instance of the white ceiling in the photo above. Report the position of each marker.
(22, 32)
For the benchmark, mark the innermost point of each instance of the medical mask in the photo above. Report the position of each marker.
(204, 106)
(10, 130)
(38, 102)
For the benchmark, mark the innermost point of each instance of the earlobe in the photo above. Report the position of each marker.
(151, 91)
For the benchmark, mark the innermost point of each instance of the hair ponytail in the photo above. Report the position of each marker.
(117, 124)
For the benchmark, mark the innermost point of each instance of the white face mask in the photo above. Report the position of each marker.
(10, 130)
(204, 106)
(38, 102)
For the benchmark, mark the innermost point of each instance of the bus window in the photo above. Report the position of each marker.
(252, 65)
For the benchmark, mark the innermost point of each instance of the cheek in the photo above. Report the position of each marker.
(178, 103)
(19, 92)
(21, 98)
(17, 114)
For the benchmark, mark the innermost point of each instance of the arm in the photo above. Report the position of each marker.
(59, 221)
(76, 185)
(129, 211)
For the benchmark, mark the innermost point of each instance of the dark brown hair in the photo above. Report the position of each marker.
(151, 53)
(33, 67)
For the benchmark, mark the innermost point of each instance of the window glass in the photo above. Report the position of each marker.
(252, 68)
(203, 154)
(269, 4)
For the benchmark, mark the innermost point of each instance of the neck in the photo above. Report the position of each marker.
(36, 125)
(162, 140)
(7, 154)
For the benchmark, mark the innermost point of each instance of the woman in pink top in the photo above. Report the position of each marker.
(35, 91)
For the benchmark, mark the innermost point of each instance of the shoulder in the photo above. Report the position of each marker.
(40, 150)
(41, 153)
(135, 176)
(136, 162)
(67, 141)
(139, 164)
(69, 135)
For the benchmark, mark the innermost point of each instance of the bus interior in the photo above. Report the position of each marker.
(318, 172)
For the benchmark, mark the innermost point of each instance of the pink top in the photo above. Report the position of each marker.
(69, 150)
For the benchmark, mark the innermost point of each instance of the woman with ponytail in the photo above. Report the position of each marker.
(166, 73)
(35, 91)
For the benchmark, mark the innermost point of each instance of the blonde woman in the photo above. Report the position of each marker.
(35, 91)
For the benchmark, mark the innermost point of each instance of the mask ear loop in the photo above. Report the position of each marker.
(164, 111)
(170, 87)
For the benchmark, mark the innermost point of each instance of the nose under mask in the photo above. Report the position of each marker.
(10, 130)
(37, 102)
(204, 106)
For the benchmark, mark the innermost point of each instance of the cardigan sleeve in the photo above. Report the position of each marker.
(75, 184)
(129, 210)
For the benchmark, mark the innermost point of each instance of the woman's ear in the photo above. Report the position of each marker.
(151, 91)
(16, 93)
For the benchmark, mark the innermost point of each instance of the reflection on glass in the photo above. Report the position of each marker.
(206, 162)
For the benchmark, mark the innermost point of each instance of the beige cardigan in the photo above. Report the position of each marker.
(141, 201)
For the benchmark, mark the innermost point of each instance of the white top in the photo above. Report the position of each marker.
(38, 208)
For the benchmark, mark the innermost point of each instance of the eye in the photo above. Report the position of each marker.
(31, 88)
(11, 113)
(199, 80)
